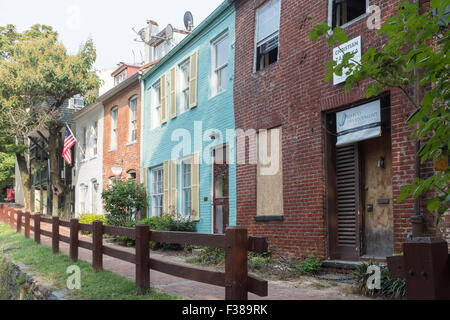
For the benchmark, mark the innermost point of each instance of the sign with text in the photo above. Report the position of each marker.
(353, 45)
(358, 124)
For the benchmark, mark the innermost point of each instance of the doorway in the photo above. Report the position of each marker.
(220, 190)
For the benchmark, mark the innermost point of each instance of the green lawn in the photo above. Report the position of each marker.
(103, 285)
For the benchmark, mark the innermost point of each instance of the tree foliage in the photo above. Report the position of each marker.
(415, 54)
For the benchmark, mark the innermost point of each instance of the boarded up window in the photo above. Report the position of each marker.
(270, 173)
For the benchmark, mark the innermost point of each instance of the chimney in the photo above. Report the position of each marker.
(151, 30)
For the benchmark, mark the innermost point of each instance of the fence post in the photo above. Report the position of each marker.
(236, 242)
(142, 258)
(73, 250)
(37, 228)
(55, 235)
(2, 213)
(97, 246)
(19, 221)
(27, 225)
(11, 218)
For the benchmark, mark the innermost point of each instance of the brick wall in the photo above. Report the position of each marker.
(127, 155)
(293, 93)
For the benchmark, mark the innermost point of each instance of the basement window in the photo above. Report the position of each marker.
(345, 11)
(267, 30)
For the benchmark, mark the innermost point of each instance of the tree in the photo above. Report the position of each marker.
(37, 76)
(414, 56)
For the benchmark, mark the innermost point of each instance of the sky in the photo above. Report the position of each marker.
(108, 22)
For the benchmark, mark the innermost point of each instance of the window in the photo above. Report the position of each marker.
(157, 191)
(83, 198)
(114, 115)
(94, 189)
(220, 64)
(76, 102)
(156, 117)
(111, 180)
(95, 139)
(267, 28)
(185, 68)
(186, 187)
(131, 175)
(344, 11)
(84, 137)
(120, 77)
(133, 119)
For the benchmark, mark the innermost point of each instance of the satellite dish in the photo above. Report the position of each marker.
(141, 34)
(188, 21)
(169, 32)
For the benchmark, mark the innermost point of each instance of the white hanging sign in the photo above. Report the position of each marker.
(353, 45)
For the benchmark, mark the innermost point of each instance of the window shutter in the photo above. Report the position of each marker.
(163, 100)
(173, 92)
(193, 80)
(195, 187)
(166, 187)
(173, 186)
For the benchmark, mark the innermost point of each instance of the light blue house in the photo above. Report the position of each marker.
(188, 142)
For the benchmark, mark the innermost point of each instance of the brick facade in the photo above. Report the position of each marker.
(127, 154)
(292, 93)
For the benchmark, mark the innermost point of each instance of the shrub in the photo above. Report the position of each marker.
(209, 256)
(89, 218)
(311, 264)
(123, 199)
(392, 288)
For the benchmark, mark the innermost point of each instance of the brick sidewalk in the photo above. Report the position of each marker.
(192, 290)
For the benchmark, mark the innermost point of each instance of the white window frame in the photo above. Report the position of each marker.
(349, 23)
(95, 139)
(184, 85)
(94, 195)
(156, 105)
(133, 125)
(183, 188)
(155, 195)
(114, 128)
(84, 142)
(217, 70)
(120, 77)
(84, 191)
(259, 43)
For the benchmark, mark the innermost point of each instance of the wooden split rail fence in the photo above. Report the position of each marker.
(235, 241)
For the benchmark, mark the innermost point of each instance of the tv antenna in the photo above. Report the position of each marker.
(167, 37)
(188, 21)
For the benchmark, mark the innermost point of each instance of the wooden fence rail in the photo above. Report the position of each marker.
(235, 241)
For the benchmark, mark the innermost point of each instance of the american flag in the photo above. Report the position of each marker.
(68, 143)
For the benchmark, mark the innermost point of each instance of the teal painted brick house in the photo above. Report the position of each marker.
(188, 142)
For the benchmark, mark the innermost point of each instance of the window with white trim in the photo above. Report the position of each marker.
(267, 30)
(221, 49)
(345, 11)
(157, 191)
(133, 119)
(120, 77)
(84, 137)
(95, 139)
(156, 111)
(185, 76)
(94, 189)
(114, 116)
(83, 198)
(186, 181)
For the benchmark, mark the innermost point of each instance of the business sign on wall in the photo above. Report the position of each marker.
(360, 123)
(353, 45)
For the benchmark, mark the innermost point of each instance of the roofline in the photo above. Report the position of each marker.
(202, 26)
(77, 115)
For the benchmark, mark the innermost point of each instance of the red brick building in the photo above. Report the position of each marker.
(121, 135)
(336, 201)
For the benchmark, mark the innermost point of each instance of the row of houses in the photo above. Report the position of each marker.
(235, 125)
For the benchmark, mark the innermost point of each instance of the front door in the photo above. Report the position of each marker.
(377, 184)
(220, 190)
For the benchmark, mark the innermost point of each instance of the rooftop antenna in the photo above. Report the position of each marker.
(188, 21)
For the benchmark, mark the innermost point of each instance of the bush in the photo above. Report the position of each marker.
(164, 223)
(89, 218)
(311, 264)
(209, 256)
(123, 199)
(391, 288)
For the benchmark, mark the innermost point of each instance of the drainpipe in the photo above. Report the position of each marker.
(417, 220)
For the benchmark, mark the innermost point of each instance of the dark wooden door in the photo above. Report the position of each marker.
(347, 202)
(221, 191)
